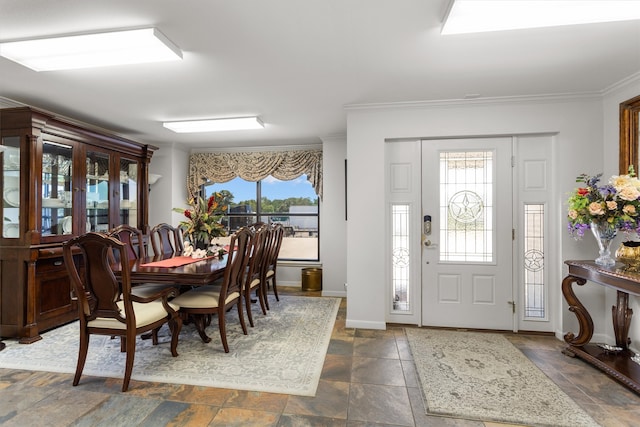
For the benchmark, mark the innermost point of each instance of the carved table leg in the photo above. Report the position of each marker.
(584, 319)
(622, 314)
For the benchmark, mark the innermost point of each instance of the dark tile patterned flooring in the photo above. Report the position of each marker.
(368, 379)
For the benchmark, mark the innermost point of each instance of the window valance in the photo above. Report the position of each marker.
(254, 166)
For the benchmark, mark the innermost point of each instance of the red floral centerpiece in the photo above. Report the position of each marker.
(203, 219)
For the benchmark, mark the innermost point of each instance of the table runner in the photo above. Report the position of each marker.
(173, 262)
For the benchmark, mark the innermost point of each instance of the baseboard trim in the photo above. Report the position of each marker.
(363, 324)
(337, 294)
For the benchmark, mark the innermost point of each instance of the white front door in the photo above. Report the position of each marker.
(467, 254)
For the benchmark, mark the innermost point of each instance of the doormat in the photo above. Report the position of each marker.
(482, 376)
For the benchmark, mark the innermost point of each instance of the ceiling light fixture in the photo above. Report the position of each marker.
(473, 16)
(134, 46)
(215, 125)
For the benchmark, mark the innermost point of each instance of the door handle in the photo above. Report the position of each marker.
(430, 245)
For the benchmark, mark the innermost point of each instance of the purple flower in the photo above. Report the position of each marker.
(607, 190)
(577, 230)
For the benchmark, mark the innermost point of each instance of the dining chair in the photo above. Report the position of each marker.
(270, 264)
(253, 278)
(203, 301)
(107, 306)
(166, 239)
(132, 238)
(134, 244)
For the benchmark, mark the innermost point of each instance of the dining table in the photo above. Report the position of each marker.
(175, 269)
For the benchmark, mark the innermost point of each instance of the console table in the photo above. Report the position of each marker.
(616, 364)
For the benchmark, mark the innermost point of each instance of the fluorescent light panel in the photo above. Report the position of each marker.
(473, 16)
(215, 125)
(92, 50)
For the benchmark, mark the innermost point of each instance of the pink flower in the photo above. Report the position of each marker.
(596, 208)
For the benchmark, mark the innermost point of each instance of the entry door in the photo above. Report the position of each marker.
(467, 278)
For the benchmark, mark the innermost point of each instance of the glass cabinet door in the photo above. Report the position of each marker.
(129, 192)
(57, 184)
(10, 186)
(97, 191)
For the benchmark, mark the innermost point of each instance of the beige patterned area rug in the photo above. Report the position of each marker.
(482, 376)
(283, 353)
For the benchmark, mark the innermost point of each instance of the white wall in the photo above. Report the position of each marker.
(333, 226)
(170, 191)
(577, 122)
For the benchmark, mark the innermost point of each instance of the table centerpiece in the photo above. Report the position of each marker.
(203, 221)
(605, 209)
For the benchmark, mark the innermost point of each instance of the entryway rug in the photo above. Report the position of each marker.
(283, 353)
(482, 376)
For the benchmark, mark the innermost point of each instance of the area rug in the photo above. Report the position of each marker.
(482, 376)
(283, 353)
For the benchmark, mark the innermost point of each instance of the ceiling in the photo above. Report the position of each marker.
(298, 64)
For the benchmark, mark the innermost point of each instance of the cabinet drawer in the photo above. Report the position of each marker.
(50, 265)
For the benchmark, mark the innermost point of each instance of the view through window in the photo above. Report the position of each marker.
(294, 204)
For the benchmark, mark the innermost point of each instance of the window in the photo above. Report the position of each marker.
(294, 204)
(400, 270)
(466, 204)
(534, 274)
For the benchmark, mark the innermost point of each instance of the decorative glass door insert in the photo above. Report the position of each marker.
(466, 206)
(128, 192)
(400, 269)
(57, 184)
(97, 191)
(10, 186)
(534, 274)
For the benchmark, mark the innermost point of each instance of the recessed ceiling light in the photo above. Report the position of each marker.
(92, 50)
(472, 16)
(215, 125)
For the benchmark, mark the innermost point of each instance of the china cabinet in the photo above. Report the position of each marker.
(59, 179)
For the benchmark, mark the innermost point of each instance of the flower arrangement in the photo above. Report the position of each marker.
(614, 206)
(203, 219)
(213, 250)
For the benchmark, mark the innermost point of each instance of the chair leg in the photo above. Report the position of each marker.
(131, 352)
(241, 316)
(265, 292)
(261, 298)
(247, 300)
(82, 355)
(175, 325)
(275, 288)
(154, 336)
(223, 328)
(200, 322)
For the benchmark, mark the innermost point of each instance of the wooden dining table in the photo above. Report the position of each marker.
(196, 272)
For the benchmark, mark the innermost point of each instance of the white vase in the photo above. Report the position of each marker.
(604, 234)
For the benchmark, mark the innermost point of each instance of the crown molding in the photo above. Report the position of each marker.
(622, 84)
(561, 97)
(10, 103)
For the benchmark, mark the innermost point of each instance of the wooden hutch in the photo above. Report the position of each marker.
(59, 179)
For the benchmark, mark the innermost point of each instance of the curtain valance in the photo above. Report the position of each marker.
(254, 166)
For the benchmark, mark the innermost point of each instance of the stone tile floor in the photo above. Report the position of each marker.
(368, 379)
